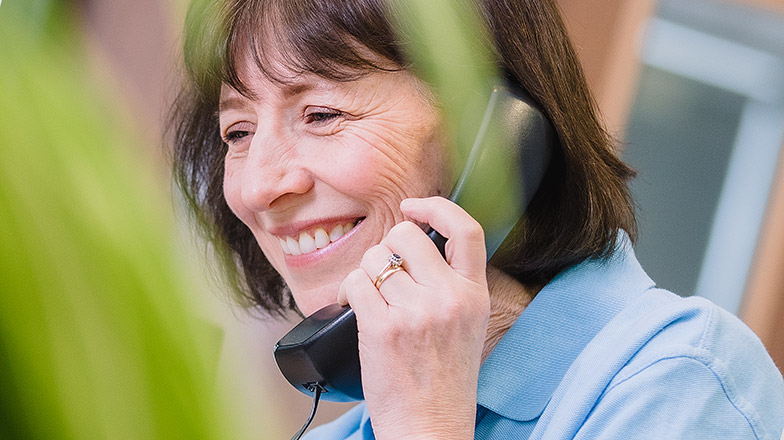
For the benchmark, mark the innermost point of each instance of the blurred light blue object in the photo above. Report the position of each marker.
(714, 60)
(757, 75)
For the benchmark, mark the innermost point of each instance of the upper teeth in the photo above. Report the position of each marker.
(306, 243)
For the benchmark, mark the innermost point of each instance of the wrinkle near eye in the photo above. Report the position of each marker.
(318, 114)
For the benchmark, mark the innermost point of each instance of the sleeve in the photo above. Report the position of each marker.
(677, 398)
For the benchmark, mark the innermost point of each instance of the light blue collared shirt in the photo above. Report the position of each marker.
(601, 353)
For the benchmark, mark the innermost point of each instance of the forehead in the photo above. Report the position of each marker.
(282, 39)
(258, 87)
(272, 71)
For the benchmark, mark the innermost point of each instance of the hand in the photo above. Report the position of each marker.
(422, 332)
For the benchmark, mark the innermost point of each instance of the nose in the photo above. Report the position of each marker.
(274, 174)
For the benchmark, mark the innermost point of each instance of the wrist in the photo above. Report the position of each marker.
(427, 426)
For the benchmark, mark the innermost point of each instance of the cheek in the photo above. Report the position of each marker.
(414, 169)
(232, 192)
(393, 163)
(369, 175)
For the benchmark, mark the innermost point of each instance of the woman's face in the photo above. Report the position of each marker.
(317, 169)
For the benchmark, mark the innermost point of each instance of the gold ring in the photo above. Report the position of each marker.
(395, 264)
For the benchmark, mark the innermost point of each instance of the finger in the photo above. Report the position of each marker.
(357, 291)
(421, 258)
(465, 246)
(395, 286)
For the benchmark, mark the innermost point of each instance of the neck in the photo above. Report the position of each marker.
(508, 298)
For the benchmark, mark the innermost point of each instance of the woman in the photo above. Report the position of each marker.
(310, 153)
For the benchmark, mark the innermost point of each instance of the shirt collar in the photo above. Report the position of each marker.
(520, 375)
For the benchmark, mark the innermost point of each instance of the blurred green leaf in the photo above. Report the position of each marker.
(96, 336)
(452, 52)
(43, 18)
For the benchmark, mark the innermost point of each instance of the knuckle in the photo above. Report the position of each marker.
(402, 230)
(354, 278)
(454, 309)
(472, 228)
(393, 332)
(465, 305)
(411, 324)
(372, 255)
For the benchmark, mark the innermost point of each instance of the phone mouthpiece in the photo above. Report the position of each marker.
(321, 352)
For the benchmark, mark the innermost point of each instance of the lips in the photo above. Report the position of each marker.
(319, 237)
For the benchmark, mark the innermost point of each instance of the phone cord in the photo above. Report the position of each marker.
(316, 396)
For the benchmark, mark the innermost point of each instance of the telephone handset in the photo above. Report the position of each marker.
(503, 170)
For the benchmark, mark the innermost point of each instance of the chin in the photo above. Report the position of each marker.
(313, 300)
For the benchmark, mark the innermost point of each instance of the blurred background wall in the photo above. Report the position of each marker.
(693, 89)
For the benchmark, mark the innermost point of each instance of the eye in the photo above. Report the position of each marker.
(235, 136)
(238, 133)
(321, 115)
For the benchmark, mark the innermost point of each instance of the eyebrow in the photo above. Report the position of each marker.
(289, 90)
(231, 103)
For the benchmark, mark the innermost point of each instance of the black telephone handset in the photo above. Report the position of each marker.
(503, 171)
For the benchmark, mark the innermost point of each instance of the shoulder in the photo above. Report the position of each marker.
(696, 330)
(685, 366)
(669, 367)
(682, 397)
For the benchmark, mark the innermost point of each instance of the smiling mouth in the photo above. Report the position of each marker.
(315, 239)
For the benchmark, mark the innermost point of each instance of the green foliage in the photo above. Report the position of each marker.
(96, 339)
(453, 54)
(42, 18)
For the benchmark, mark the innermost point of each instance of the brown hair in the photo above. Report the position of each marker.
(577, 212)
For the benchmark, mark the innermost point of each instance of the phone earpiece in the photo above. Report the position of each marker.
(505, 166)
